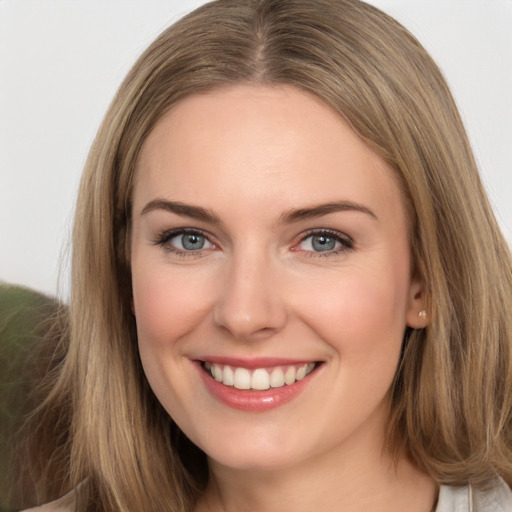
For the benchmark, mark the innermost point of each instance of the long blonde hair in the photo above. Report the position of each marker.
(451, 399)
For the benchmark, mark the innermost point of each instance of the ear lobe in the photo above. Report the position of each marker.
(417, 316)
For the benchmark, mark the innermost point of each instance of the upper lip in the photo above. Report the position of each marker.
(256, 362)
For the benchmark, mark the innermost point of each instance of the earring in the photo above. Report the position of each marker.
(422, 315)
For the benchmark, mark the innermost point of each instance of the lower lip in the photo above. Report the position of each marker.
(252, 400)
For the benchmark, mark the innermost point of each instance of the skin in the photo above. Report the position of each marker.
(249, 155)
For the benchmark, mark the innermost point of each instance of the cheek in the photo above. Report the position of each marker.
(167, 305)
(360, 312)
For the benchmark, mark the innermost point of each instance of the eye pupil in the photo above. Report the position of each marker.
(192, 242)
(323, 243)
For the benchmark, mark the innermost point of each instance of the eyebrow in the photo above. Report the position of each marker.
(290, 217)
(195, 212)
(324, 209)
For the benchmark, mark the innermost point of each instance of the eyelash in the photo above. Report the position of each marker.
(346, 243)
(164, 238)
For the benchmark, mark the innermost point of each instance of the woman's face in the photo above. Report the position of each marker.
(271, 277)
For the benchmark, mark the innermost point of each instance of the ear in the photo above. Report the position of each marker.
(416, 316)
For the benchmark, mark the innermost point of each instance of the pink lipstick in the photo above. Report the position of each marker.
(255, 385)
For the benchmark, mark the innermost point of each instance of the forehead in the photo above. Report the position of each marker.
(275, 145)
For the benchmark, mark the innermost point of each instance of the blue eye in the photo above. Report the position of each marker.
(189, 241)
(324, 242)
(184, 241)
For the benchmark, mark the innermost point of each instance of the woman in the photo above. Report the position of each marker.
(289, 289)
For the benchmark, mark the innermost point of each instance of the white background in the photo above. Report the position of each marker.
(62, 60)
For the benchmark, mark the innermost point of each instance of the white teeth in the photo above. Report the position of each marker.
(259, 378)
(229, 376)
(217, 373)
(301, 373)
(289, 375)
(242, 378)
(277, 378)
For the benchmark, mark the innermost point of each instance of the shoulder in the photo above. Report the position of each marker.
(51, 507)
(498, 498)
(64, 504)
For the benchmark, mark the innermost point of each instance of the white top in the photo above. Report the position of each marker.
(451, 499)
(465, 499)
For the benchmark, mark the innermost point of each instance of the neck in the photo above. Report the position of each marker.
(348, 479)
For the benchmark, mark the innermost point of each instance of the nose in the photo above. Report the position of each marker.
(251, 304)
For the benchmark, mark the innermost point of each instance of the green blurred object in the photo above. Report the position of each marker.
(26, 317)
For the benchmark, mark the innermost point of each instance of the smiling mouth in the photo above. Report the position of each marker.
(259, 379)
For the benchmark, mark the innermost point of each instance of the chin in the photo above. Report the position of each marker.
(254, 460)
(257, 449)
